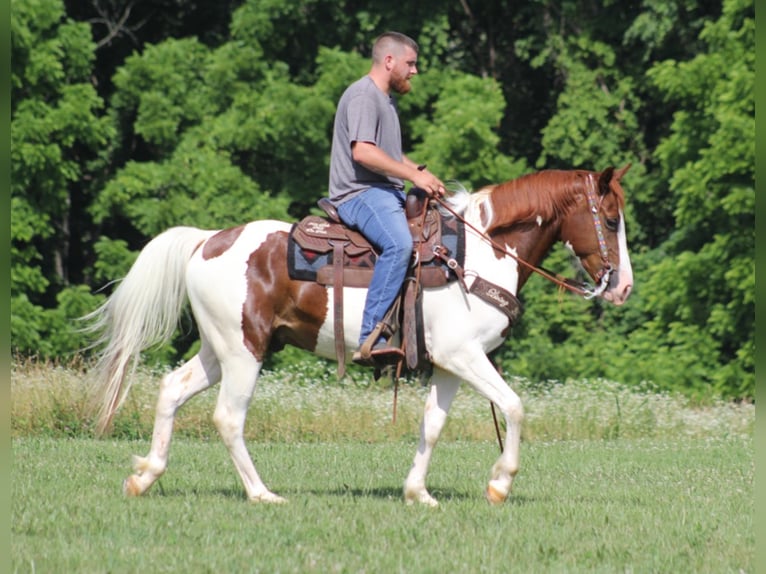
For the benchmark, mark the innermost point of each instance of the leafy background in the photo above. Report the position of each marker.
(129, 116)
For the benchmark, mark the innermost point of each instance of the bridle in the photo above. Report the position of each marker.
(605, 273)
(587, 291)
(578, 287)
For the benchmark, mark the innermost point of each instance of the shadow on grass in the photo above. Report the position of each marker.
(392, 493)
(387, 493)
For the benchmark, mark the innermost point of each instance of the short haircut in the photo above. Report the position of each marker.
(389, 42)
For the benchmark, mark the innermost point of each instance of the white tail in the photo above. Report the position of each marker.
(143, 311)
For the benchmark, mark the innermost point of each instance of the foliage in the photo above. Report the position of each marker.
(128, 118)
(57, 128)
(303, 402)
(708, 287)
(462, 139)
(694, 324)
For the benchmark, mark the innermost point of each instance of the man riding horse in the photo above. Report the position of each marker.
(367, 173)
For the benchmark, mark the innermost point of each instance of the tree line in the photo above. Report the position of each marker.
(130, 116)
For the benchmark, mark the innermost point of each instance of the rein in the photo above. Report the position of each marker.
(577, 287)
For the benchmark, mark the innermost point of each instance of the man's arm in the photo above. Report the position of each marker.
(375, 159)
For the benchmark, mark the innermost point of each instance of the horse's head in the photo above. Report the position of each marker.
(595, 231)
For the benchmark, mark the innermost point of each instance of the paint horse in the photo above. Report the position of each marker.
(246, 306)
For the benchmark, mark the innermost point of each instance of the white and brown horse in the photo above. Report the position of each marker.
(245, 306)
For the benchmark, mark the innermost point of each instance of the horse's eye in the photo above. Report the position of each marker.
(612, 223)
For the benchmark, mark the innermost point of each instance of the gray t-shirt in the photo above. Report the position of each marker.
(364, 114)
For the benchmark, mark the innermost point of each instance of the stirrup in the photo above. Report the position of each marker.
(368, 355)
(365, 350)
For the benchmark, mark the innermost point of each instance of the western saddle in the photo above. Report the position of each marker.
(346, 259)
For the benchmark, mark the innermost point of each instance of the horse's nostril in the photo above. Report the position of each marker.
(623, 296)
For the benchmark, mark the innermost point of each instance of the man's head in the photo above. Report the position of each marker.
(395, 56)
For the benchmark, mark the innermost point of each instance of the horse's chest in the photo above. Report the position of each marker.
(454, 315)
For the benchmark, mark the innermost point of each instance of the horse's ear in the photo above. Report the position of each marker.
(621, 172)
(604, 179)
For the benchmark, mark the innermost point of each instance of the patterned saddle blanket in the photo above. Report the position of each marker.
(316, 242)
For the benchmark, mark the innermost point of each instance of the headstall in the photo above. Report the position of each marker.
(578, 287)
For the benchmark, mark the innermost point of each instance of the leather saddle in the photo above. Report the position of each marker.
(320, 239)
(324, 250)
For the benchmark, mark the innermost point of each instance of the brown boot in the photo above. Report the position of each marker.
(380, 355)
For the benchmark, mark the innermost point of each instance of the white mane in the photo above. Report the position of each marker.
(465, 202)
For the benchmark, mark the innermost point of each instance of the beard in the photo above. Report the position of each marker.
(401, 84)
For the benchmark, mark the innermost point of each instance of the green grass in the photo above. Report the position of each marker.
(613, 479)
(578, 506)
(307, 404)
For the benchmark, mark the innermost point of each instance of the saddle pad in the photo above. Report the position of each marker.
(304, 264)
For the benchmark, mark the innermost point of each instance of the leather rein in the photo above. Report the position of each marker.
(578, 287)
(585, 290)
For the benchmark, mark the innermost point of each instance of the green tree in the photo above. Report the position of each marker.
(221, 112)
(689, 324)
(57, 129)
(702, 291)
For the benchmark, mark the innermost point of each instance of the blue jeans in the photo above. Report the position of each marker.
(378, 214)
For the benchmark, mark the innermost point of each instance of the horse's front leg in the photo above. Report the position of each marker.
(507, 466)
(473, 366)
(176, 388)
(444, 386)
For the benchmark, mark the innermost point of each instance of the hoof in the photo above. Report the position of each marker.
(494, 495)
(268, 498)
(130, 486)
(422, 498)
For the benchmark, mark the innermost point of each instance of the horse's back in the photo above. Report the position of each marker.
(238, 242)
(217, 274)
(240, 289)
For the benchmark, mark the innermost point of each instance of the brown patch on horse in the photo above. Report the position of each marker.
(278, 310)
(547, 194)
(219, 243)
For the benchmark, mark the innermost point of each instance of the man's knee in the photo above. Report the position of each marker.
(403, 248)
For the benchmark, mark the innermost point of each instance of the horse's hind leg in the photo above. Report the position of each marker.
(176, 388)
(240, 374)
(444, 386)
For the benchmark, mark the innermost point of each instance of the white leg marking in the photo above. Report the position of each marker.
(176, 388)
(473, 366)
(444, 386)
(237, 385)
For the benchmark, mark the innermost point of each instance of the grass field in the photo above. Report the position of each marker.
(598, 506)
(612, 480)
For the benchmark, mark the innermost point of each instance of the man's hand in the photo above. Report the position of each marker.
(428, 182)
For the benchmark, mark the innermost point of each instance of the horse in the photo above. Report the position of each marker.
(246, 306)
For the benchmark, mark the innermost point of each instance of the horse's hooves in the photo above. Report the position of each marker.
(130, 486)
(422, 498)
(269, 498)
(494, 495)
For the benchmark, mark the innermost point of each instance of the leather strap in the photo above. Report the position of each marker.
(444, 254)
(409, 323)
(501, 298)
(340, 338)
